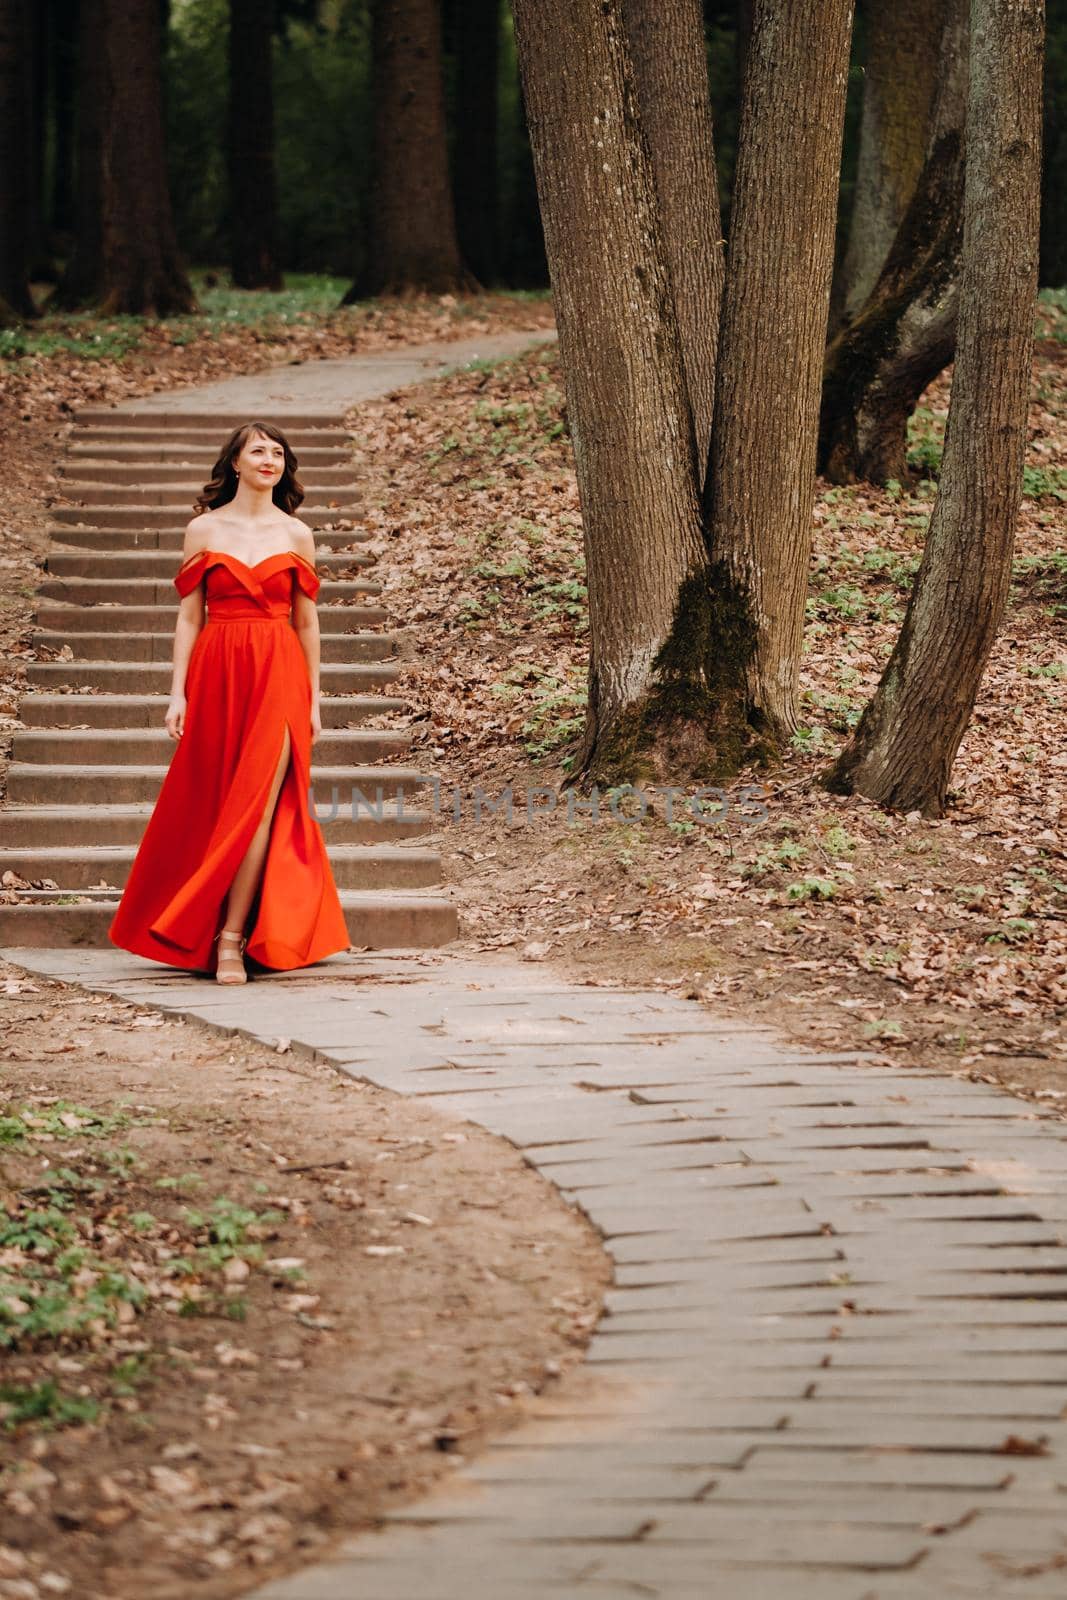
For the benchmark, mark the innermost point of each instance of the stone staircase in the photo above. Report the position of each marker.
(87, 766)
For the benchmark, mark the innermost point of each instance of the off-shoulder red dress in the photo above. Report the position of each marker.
(247, 677)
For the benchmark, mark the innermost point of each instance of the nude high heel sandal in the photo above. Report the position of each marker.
(231, 967)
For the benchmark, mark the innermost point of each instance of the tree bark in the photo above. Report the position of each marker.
(525, 264)
(126, 258)
(622, 361)
(760, 485)
(412, 244)
(878, 365)
(253, 188)
(744, 10)
(143, 271)
(674, 103)
(41, 262)
(476, 186)
(15, 66)
(64, 19)
(902, 752)
(82, 282)
(900, 82)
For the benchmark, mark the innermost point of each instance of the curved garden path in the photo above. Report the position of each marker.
(834, 1363)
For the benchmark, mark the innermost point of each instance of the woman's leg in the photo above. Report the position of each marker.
(246, 878)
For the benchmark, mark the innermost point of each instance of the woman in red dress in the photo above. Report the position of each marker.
(233, 856)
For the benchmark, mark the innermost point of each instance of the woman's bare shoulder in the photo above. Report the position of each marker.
(302, 537)
(198, 534)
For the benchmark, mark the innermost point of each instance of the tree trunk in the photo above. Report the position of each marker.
(900, 81)
(126, 258)
(1053, 267)
(622, 362)
(670, 66)
(39, 255)
(744, 10)
(253, 189)
(412, 245)
(476, 187)
(64, 19)
(15, 67)
(82, 282)
(525, 263)
(760, 485)
(143, 271)
(878, 365)
(902, 751)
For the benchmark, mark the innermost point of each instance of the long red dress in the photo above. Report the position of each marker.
(247, 676)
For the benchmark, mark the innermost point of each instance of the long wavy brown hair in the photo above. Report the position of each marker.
(288, 491)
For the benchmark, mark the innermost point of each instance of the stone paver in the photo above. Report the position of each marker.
(833, 1365)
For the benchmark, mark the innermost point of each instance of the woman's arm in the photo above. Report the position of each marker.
(189, 623)
(306, 623)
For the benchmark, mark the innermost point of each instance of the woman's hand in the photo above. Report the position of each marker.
(316, 719)
(175, 718)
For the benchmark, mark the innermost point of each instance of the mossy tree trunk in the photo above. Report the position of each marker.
(15, 114)
(126, 257)
(253, 185)
(902, 751)
(899, 83)
(674, 102)
(627, 401)
(760, 485)
(879, 363)
(412, 245)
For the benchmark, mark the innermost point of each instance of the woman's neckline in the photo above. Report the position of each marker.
(248, 566)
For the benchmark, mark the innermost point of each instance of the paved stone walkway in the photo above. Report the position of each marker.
(336, 385)
(834, 1364)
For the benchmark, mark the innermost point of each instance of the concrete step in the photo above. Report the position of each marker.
(178, 495)
(205, 441)
(40, 827)
(106, 451)
(143, 591)
(375, 920)
(105, 516)
(119, 645)
(158, 619)
(30, 784)
(165, 563)
(152, 677)
(148, 710)
(354, 866)
(119, 539)
(186, 474)
(142, 747)
(87, 766)
(163, 420)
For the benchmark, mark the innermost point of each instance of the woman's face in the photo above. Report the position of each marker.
(261, 461)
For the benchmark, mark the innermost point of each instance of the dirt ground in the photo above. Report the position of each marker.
(410, 1286)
